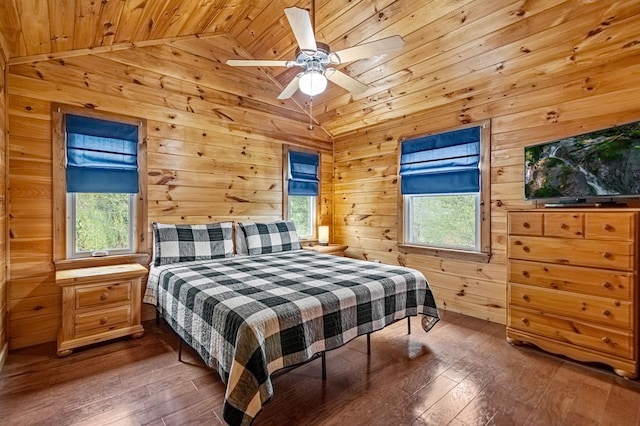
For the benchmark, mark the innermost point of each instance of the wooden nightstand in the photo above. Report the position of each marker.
(98, 304)
(334, 249)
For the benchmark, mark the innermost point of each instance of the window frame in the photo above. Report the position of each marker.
(483, 216)
(285, 189)
(140, 252)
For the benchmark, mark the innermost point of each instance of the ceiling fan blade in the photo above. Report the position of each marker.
(367, 50)
(349, 83)
(302, 29)
(257, 63)
(291, 88)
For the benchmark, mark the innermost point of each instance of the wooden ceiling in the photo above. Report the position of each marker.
(459, 54)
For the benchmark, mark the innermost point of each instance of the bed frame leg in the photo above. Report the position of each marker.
(324, 367)
(368, 343)
(180, 350)
(408, 325)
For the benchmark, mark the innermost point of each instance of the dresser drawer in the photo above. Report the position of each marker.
(525, 223)
(598, 282)
(620, 226)
(610, 312)
(103, 294)
(593, 253)
(615, 342)
(102, 320)
(564, 225)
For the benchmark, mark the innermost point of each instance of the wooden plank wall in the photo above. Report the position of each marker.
(198, 171)
(366, 182)
(3, 206)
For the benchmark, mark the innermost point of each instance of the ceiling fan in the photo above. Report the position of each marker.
(315, 57)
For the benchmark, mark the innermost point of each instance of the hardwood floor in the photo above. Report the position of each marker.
(461, 373)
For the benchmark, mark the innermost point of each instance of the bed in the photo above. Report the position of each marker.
(274, 306)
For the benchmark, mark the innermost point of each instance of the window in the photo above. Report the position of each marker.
(302, 191)
(444, 194)
(99, 190)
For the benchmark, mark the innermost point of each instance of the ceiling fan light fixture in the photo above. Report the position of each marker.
(312, 82)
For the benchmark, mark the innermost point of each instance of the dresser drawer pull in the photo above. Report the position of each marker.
(606, 313)
(526, 298)
(606, 340)
(606, 255)
(104, 320)
(553, 285)
(517, 243)
(526, 274)
(526, 225)
(608, 227)
(526, 249)
(104, 296)
(564, 226)
(524, 321)
(607, 284)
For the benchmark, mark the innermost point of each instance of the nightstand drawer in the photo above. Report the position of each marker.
(103, 294)
(102, 320)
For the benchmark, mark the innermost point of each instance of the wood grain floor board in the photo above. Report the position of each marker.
(462, 373)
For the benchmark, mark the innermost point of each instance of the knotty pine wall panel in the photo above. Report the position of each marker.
(4, 321)
(367, 187)
(198, 171)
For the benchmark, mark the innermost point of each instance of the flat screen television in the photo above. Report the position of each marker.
(588, 168)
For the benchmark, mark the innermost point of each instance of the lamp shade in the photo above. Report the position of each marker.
(323, 235)
(312, 83)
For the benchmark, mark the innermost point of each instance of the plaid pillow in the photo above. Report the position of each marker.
(270, 237)
(182, 243)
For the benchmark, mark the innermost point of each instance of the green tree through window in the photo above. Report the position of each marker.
(102, 222)
(302, 214)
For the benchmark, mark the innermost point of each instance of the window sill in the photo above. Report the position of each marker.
(472, 256)
(87, 262)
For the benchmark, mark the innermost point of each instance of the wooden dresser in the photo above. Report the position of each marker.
(572, 288)
(98, 304)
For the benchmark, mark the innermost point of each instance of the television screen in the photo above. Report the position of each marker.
(596, 165)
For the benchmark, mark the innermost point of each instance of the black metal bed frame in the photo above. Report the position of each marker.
(292, 367)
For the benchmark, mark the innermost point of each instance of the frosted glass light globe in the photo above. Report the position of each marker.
(312, 83)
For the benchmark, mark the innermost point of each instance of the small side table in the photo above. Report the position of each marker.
(334, 249)
(98, 304)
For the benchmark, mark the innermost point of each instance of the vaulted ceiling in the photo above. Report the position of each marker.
(458, 53)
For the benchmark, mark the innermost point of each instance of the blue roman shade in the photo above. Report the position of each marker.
(102, 156)
(441, 164)
(303, 173)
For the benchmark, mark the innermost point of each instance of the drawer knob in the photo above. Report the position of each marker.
(564, 226)
(526, 225)
(607, 284)
(605, 339)
(607, 227)
(553, 285)
(526, 298)
(526, 274)
(524, 320)
(606, 255)
(606, 313)
(526, 249)
(518, 243)
(104, 320)
(104, 296)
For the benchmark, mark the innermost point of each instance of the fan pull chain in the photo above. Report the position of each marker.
(310, 112)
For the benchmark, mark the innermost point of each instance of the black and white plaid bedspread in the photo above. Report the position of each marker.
(248, 316)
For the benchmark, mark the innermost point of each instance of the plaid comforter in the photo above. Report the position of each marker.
(248, 316)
